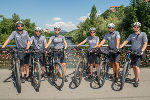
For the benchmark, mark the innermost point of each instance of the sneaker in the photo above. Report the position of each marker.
(136, 84)
(28, 79)
(23, 80)
(66, 80)
(90, 77)
(116, 79)
(96, 78)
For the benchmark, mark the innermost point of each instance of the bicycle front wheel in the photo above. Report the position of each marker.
(78, 73)
(102, 73)
(58, 75)
(17, 75)
(36, 75)
(124, 74)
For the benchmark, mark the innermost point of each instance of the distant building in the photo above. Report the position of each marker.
(147, 0)
(46, 30)
(113, 8)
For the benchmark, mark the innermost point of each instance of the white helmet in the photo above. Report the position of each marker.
(57, 27)
(137, 24)
(19, 22)
(38, 29)
(92, 29)
(111, 25)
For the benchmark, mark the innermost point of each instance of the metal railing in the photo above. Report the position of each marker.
(72, 57)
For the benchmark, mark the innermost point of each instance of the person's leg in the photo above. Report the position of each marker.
(117, 67)
(91, 69)
(114, 68)
(27, 70)
(22, 70)
(136, 70)
(97, 68)
(64, 66)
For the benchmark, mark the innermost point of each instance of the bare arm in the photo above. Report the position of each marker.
(49, 42)
(123, 44)
(96, 45)
(81, 43)
(117, 43)
(6, 42)
(144, 46)
(29, 44)
(65, 44)
(101, 43)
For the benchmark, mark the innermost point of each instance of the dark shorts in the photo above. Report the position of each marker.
(136, 60)
(42, 59)
(61, 56)
(93, 58)
(114, 57)
(24, 58)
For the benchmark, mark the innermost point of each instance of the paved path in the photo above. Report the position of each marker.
(83, 92)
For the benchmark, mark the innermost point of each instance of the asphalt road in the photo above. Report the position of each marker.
(86, 91)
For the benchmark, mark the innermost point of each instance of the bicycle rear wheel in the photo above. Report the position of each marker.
(36, 75)
(102, 73)
(17, 75)
(78, 73)
(58, 75)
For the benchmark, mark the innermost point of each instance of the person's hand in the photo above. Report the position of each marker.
(27, 51)
(116, 50)
(140, 52)
(65, 50)
(3, 50)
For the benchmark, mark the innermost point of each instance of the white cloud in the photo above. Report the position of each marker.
(67, 26)
(56, 18)
(83, 18)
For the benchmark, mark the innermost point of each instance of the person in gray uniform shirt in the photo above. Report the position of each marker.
(113, 38)
(39, 43)
(21, 38)
(59, 43)
(139, 44)
(92, 57)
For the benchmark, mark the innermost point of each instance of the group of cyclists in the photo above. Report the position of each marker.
(138, 40)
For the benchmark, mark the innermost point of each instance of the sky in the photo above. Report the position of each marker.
(49, 13)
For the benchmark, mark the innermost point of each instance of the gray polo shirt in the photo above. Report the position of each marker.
(20, 39)
(92, 41)
(58, 41)
(38, 42)
(137, 40)
(112, 38)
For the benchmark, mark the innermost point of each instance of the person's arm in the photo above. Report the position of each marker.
(123, 44)
(6, 42)
(144, 46)
(29, 44)
(81, 43)
(101, 43)
(49, 42)
(65, 42)
(117, 43)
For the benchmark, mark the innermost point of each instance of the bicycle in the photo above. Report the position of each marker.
(126, 67)
(15, 66)
(54, 68)
(82, 67)
(35, 69)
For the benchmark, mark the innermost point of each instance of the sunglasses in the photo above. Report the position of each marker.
(20, 26)
(110, 27)
(92, 32)
(38, 31)
(57, 29)
(136, 27)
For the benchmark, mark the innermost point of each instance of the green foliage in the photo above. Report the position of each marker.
(7, 25)
(123, 18)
